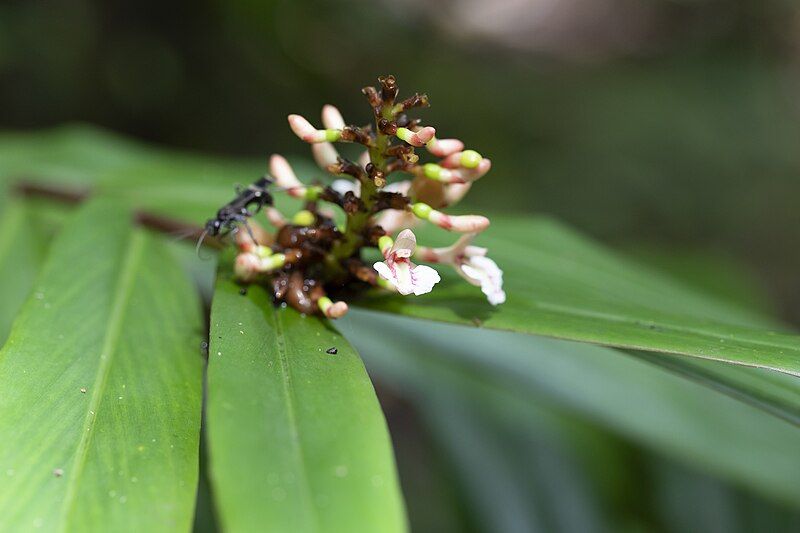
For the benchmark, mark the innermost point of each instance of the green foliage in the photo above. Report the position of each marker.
(101, 376)
(659, 409)
(297, 439)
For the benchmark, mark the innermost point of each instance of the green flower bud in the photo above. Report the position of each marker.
(470, 159)
(432, 171)
(303, 218)
(421, 210)
(385, 243)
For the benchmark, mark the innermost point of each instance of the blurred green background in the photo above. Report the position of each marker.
(666, 128)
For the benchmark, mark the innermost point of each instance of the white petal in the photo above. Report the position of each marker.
(489, 275)
(423, 278)
(399, 275)
(407, 278)
(404, 277)
(384, 271)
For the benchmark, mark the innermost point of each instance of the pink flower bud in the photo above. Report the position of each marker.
(454, 193)
(444, 147)
(303, 129)
(285, 177)
(416, 138)
(459, 223)
(325, 155)
(337, 310)
(393, 220)
(247, 267)
(332, 118)
(275, 217)
(332, 309)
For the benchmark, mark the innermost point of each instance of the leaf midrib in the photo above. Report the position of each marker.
(286, 382)
(122, 294)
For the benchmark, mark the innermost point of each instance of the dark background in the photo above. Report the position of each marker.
(663, 124)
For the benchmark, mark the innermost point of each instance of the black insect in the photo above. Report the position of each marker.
(247, 203)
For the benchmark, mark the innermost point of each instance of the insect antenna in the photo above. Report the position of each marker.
(199, 244)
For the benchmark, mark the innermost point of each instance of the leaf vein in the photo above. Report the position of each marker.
(114, 325)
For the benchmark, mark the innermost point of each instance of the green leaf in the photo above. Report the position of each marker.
(101, 380)
(297, 439)
(562, 285)
(631, 397)
(773, 392)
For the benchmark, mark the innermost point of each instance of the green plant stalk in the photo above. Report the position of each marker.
(357, 222)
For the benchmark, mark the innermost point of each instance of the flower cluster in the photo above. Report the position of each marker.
(310, 255)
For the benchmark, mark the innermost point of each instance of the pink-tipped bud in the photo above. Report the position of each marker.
(247, 267)
(275, 217)
(416, 138)
(459, 223)
(455, 193)
(285, 177)
(332, 309)
(337, 310)
(303, 129)
(332, 118)
(325, 155)
(444, 147)
(473, 174)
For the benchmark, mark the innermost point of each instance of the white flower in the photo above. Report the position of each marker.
(404, 275)
(471, 264)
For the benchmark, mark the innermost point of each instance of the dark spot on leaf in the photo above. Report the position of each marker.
(243, 291)
(204, 349)
(332, 351)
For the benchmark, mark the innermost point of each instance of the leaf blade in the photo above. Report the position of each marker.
(296, 437)
(561, 285)
(92, 335)
(631, 397)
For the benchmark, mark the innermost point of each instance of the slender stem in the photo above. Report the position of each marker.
(357, 222)
(152, 221)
